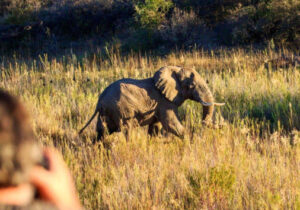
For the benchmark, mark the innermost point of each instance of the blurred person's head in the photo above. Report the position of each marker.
(29, 176)
(19, 151)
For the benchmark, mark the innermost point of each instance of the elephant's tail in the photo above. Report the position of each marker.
(86, 125)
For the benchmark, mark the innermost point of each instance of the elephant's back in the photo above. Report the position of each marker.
(113, 92)
(127, 97)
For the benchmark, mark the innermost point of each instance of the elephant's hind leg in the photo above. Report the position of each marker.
(100, 129)
(113, 125)
(110, 127)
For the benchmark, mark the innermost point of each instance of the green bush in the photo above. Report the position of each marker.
(221, 180)
(216, 185)
(151, 13)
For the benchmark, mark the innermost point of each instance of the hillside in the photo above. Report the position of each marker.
(147, 25)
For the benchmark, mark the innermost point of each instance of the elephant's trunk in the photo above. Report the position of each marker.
(207, 113)
(207, 100)
(208, 110)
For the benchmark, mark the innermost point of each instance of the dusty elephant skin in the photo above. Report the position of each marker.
(152, 101)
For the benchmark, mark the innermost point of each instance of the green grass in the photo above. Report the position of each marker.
(250, 163)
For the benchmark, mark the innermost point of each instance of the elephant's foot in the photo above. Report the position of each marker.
(210, 124)
(100, 137)
(154, 129)
(207, 123)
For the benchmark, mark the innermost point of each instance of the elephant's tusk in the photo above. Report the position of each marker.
(205, 103)
(219, 104)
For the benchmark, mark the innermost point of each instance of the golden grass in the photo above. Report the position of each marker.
(251, 163)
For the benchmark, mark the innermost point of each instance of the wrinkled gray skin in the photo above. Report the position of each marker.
(152, 101)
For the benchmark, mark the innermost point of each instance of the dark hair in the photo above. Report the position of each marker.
(18, 148)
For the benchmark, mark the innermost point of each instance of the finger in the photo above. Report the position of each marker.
(43, 180)
(19, 195)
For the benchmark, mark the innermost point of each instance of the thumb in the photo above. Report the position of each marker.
(41, 179)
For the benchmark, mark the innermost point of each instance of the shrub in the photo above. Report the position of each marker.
(269, 20)
(180, 25)
(217, 186)
(151, 13)
(213, 11)
(221, 180)
(19, 11)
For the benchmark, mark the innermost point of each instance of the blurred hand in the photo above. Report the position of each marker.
(56, 184)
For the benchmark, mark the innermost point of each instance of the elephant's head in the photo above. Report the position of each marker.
(178, 84)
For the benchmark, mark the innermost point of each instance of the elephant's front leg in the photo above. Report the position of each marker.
(170, 122)
(154, 128)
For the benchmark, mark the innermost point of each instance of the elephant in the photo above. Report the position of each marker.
(152, 101)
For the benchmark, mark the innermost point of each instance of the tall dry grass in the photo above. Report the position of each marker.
(250, 163)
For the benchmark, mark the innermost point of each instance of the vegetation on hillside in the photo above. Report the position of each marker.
(149, 24)
(250, 163)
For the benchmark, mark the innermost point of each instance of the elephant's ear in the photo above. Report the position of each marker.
(166, 81)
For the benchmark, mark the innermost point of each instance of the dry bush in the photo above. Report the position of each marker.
(269, 20)
(181, 27)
